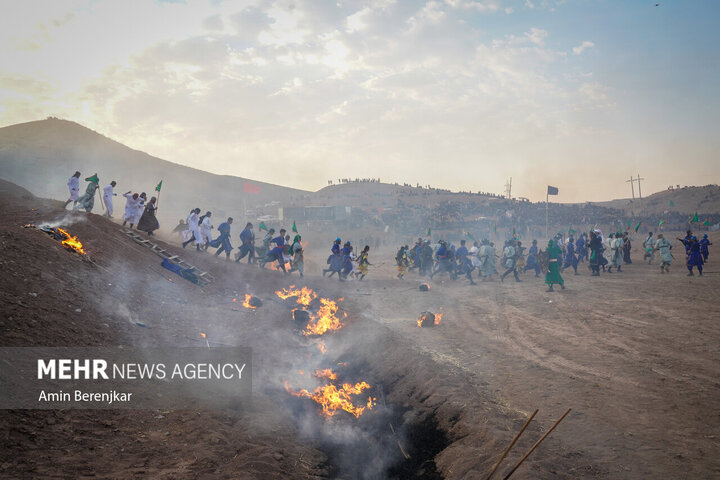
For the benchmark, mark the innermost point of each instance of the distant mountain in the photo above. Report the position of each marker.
(42, 155)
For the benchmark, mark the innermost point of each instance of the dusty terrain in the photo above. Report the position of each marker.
(635, 355)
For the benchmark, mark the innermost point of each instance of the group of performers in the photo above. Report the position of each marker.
(138, 210)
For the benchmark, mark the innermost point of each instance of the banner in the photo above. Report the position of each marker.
(250, 188)
(552, 190)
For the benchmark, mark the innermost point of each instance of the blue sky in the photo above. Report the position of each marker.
(458, 94)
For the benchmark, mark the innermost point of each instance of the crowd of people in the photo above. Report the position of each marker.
(443, 258)
(139, 212)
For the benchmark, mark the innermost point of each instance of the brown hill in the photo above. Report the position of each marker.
(686, 200)
(42, 155)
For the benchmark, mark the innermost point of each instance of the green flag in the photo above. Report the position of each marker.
(513, 231)
(262, 226)
(159, 186)
(94, 179)
(429, 233)
(661, 222)
(294, 227)
(470, 235)
(628, 224)
(495, 227)
(695, 218)
(707, 222)
(672, 204)
(637, 227)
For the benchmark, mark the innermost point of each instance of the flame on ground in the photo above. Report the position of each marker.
(246, 303)
(326, 373)
(325, 319)
(424, 317)
(304, 295)
(203, 335)
(332, 398)
(72, 242)
(322, 347)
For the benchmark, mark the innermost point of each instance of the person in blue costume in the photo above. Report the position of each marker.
(694, 257)
(532, 259)
(464, 263)
(581, 247)
(445, 259)
(247, 237)
(347, 265)
(335, 260)
(223, 240)
(704, 244)
(570, 258)
(276, 253)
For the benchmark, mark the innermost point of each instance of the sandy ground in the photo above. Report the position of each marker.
(635, 355)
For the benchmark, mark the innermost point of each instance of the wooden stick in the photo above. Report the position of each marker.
(536, 444)
(507, 450)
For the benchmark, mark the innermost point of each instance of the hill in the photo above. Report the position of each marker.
(42, 155)
(685, 200)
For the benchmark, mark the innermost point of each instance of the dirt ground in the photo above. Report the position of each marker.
(635, 355)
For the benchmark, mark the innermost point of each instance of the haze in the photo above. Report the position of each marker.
(456, 94)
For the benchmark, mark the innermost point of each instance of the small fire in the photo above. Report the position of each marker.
(207, 342)
(72, 242)
(234, 300)
(332, 398)
(322, 347)
(246, 303)
(304, 295)
(433, 318)
(325, 319)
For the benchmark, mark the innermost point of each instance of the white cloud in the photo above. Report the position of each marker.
(582, 47)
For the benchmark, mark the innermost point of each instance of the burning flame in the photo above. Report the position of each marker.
(305, 295)
(72, 242)
(326, 373)
(246, 303)
(424, 317)
(325, 319)
(322, 347)
(332, 398)
(203, 335)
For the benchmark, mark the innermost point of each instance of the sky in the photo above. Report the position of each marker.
(457, 94)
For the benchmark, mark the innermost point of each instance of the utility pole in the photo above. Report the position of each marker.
(632, 186)
(508, 189)
(639, 191)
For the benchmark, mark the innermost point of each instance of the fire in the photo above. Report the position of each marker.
(425, 317)
(332, 398)
(325, 319)
(246, 303)
(203, 335)
(72, 242)
(326, 373)
(304, 295)
(322, 347)
(234, 300)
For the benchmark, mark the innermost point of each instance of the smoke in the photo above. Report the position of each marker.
(65, 220)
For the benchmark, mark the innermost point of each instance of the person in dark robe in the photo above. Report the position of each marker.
(335, 260)
(532, 259)
(222, 242)
(247, 237)
(570, 258)
(626, 248)
(595, 246)
(148, 221)
(694, 257)
(465, 265)
(704, 250)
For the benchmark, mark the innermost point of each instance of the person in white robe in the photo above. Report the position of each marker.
(474, 259)
(140, 207)
(206, 230)
(194, 227)
(73, 185)
(131, 202)
(108, 193)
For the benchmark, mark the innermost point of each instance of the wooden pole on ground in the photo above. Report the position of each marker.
(532, 449)
(507, 450)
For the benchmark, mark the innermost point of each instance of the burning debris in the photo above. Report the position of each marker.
(304, 295)
(68, 241)
(251, 302)
(424, 287)
(333, 398)
(429, 319)
(325, 319)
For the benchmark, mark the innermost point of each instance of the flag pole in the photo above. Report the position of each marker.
(547, 199)
(157, 204)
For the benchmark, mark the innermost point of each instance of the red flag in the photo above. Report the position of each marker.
(250, 188)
